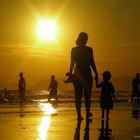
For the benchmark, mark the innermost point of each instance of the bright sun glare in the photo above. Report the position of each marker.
(47, 30)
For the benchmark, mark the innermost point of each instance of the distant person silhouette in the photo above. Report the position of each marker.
(136, 87)
(21, 88)
(6, 93)
(82, 61)
(53, 88)
(107, 94)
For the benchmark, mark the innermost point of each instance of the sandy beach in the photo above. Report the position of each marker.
(41, 121)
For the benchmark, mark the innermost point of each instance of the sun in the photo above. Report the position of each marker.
(47, 30)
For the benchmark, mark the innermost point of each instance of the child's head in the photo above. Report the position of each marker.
(106, 75)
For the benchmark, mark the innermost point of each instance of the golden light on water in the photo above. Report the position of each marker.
(47, 109)
(43, 128)
(47, 30)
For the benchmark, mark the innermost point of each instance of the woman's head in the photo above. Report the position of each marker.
(82, 39)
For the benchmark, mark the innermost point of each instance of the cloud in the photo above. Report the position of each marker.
(130, 45)
(32, 51)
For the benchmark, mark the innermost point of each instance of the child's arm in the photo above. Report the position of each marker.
(113, 93)
(97, 83)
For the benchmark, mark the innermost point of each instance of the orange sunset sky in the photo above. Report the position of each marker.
(113, 27)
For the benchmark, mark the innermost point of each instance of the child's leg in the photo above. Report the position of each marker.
(103, 110)
(107, 114)
(107, 124)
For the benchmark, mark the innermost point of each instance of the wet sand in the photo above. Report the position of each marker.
(31, 122)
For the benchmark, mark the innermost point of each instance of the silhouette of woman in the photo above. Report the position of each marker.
(82, 61)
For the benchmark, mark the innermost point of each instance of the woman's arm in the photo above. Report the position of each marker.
(71, 66)
(97, 83)
(72, 63)
(93, 65)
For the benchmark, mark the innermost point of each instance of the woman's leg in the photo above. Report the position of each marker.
(87, 95)
(78, 97)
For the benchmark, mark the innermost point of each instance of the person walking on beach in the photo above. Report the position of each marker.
(135, 87)
(21, 88)
(53, 88)
(82, 61)
(107, 94)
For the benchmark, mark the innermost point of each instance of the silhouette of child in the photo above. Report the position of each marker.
(107, 94)
(53, 88)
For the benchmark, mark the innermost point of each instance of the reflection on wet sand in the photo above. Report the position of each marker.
(77, 130)
(48, 110)
(33, 124)
(105, 133)
(21, 111)
(136, 109)
(86, 134)
(43, 128)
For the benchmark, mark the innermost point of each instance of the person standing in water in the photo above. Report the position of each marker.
(135, 87)
(53, 88)
(21, 88)
(82, 61)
